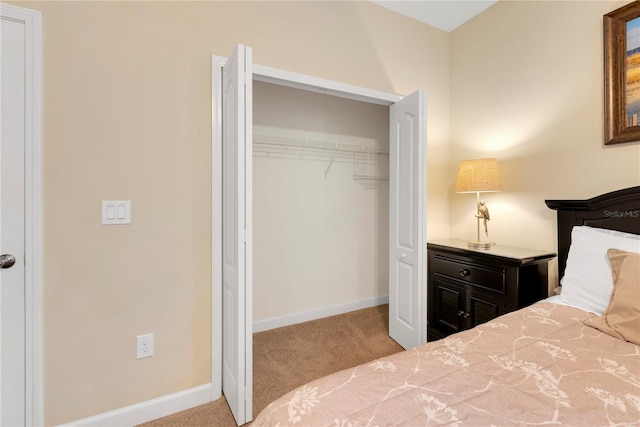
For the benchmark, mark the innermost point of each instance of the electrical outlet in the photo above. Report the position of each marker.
(144, 346)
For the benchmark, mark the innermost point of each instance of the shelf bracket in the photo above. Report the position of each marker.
(330, 162)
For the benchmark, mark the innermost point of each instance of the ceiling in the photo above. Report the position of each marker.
(444, 14)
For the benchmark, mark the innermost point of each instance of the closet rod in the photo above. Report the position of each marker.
(285, 142)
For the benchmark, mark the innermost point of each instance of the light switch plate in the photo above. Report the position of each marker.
(116, 212)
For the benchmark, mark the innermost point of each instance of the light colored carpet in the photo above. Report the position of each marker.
(288, 357)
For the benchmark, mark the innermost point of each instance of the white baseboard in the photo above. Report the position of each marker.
(149, 410)
(292, 319)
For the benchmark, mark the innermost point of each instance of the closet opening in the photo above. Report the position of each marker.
(320, 205)
(325, 228)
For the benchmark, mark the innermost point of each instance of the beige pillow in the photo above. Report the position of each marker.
(622, 317)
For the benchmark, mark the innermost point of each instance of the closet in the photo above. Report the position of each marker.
(320, 204)
(346, 158)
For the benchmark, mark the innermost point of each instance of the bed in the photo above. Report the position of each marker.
(572, 359)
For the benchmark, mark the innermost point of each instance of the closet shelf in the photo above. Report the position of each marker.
(366, 159)
(370, 177)
(296, 143)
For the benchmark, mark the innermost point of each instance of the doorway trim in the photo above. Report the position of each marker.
(32, 20)
(268, 75)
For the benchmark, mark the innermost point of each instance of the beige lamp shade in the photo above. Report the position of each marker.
(478, 175)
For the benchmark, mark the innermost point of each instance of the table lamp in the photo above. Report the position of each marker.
(479, 176)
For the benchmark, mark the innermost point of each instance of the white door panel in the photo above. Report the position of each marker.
(407, 218)
(236, 234)
(12, 214)
(406, 181)
(405, 294)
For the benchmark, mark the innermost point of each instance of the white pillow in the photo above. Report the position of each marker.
(614, 232)
(587, 283)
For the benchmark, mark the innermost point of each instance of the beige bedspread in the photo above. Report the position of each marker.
(537, 366)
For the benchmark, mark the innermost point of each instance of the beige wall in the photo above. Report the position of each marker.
(127, 116)
(527, 88)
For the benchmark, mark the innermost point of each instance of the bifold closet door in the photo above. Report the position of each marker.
(407, 218)
(237, 350)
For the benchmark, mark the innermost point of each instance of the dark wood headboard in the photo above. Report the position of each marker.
(618, 210)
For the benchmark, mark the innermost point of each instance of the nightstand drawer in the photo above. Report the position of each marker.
(474, 274)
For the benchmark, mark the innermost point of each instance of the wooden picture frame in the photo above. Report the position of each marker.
(622, 75)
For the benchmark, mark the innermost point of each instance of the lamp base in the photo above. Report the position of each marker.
(480, 245)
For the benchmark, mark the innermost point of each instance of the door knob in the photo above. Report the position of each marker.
(7, 260)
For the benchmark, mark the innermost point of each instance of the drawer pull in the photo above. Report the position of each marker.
(463, 314)
(464, 272)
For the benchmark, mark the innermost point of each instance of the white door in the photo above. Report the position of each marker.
(407, 218)
(12, 231)
(237, 349)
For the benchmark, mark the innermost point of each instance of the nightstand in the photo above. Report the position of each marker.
(467, 287)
